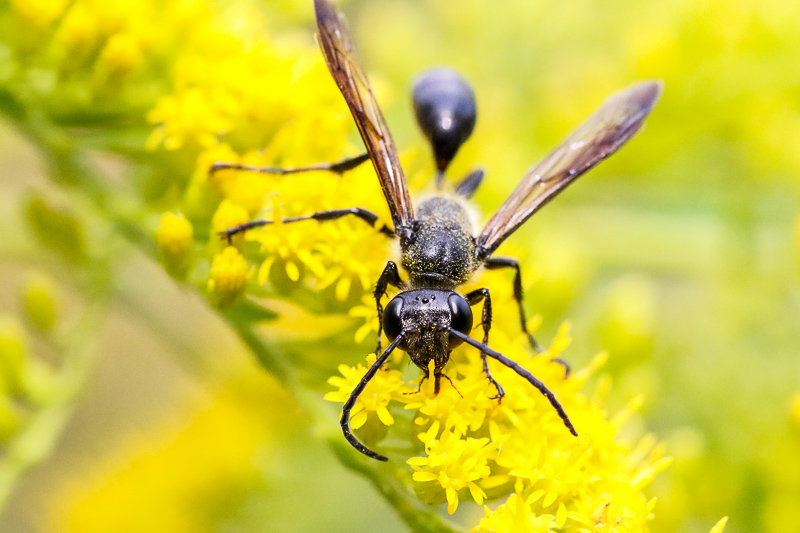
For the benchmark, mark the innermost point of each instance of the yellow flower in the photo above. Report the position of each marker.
(365, 311)
(121, 55)
(175, 239)
(454, 462)
(174, 234)
(228, 276)
(376, 396)
(191, 117)
(228, 215)
(515, 515)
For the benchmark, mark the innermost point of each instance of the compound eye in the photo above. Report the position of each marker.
(460, 318)
(392, 325)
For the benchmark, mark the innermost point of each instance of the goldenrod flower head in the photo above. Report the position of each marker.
(520, 445)
(515, 515)
(228, 276)
(376, 396)
(191, 117)
(175, 239)
(228, 215)
(174, 234)
(121, 55)
(454, 462)
(365, 311)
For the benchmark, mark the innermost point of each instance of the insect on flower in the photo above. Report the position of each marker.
(439, 252)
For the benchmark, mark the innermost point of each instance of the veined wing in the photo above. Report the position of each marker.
(611, 126)
(346, 69)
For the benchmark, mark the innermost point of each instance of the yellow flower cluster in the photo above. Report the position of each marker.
(244, 99)
(90, 59)
(478, 447)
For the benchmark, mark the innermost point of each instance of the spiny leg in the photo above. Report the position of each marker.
(469, 183)
(494, 263)
(389, 276)
(351, 401)
(367, 216)
(339, 167)
(513, 365)
(486, 322)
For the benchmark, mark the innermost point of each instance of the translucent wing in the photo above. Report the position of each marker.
(345, 67)
(601, 135)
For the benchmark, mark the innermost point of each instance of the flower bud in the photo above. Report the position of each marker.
(228, 276)
(121, 55)
(175, 240)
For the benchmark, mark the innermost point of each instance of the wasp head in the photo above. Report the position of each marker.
(425, 316)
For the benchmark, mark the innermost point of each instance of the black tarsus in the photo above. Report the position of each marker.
(389, 276)
(486, 322)
(470, 183)
(436, 390)
(367, 216)
(338, 167)
(494, 263)
(351, 401)
(513, 365)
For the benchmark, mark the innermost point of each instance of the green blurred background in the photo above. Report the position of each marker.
(679, 256)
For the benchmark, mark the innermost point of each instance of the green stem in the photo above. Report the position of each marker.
(36, 441)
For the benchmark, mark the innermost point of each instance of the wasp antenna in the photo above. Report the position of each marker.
(513, 365)
(351, 401)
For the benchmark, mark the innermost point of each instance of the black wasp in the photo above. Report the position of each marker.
(439, 251)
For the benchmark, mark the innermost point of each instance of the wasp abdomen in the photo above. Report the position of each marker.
(445, 107)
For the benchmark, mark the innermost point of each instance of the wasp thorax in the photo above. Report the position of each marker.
(424, 316)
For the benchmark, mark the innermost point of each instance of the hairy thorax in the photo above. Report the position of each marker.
(441, 250)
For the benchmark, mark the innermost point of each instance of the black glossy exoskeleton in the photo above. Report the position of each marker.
(445, 108)
(439, 250)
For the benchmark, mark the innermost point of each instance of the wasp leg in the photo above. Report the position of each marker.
(436, 391)
(473, 298)
(389, 276)
(513, 365)
(351, 401)
(367, 216)
(452, 384)
(507, 262)
(469, 183)
(339, 167)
